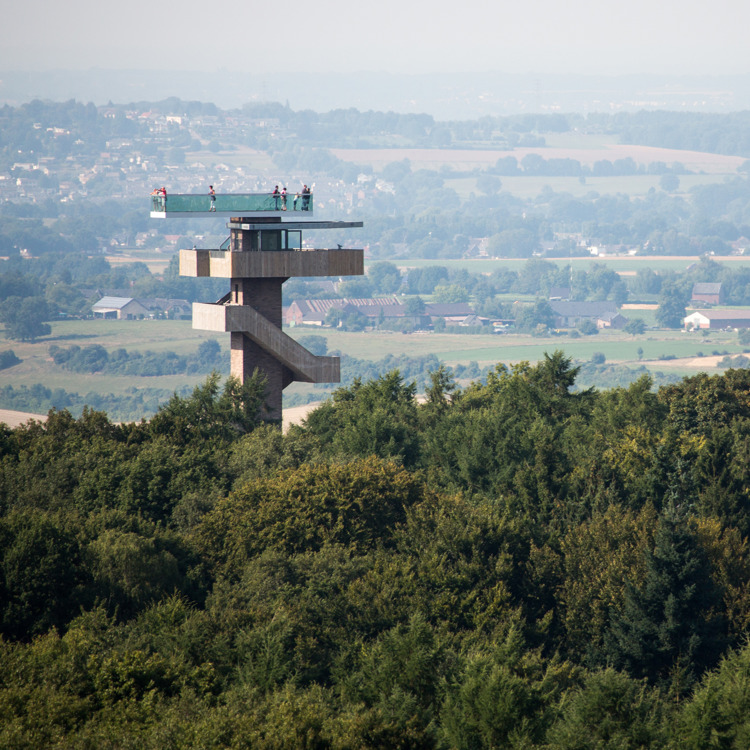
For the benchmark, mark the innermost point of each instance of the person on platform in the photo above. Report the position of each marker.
(283, 199)
(276, 197)
(305, 198)
(212, 197)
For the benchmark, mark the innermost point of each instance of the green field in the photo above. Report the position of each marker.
(531, 187)
(490, 349)
(577, 140)
(694, 349)
(155, 260)
(626, 264)
(136, 335)
(241, 156)
(694, 353)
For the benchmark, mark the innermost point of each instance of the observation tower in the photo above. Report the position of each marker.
(263, 250)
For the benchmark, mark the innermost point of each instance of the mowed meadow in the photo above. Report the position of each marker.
(658, 350)
(468, 159)
(158, 336)
(705, 168)
(625, 265)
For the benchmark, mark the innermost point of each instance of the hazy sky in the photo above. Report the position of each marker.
(417, 36)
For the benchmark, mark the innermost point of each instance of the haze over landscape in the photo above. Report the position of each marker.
(489, 58)
(541, 36)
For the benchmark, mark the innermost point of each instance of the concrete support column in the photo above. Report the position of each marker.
(263, 295)
(246, 357)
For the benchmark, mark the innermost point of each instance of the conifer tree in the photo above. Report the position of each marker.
(669, 630)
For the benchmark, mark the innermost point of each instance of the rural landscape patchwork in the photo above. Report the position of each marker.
(518, 519)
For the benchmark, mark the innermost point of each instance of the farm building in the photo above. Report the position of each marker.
(473, 320)
(174, 309)
(128, 308)
(611, 320)
(121, 308)
(454, 313)
(709, 294)
(314, 311)
(558, 293)
(570, 314)
(717, 319)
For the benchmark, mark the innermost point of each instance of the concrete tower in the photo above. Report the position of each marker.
(263, 250)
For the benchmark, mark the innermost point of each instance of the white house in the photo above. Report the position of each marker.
(717, 319)
(121, 308)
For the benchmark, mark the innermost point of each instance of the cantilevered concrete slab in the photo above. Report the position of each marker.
(276, 263)
(294, 225)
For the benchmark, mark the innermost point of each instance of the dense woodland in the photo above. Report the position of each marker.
(510, 564)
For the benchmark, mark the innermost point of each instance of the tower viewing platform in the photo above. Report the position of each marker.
(258, 205)
(263, 250)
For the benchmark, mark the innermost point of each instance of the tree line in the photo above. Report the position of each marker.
(61, 128)
(96, 359)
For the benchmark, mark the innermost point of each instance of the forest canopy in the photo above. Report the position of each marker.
(516, 563)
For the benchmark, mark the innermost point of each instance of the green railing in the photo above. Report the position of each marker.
(238, 204)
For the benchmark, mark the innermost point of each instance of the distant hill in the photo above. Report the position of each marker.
(445, 96)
